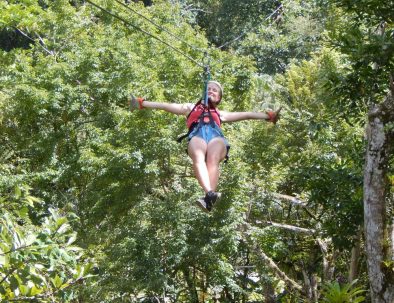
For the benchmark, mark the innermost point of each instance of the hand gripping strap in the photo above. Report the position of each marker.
(273, 116)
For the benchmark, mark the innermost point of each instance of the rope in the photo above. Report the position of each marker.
(207, 77)
(244, 33)
(145, 32)
(160, 27)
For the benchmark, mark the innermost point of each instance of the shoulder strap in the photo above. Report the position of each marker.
(194, 107)
(214, 108)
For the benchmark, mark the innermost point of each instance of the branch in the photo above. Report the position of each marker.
(295, 201)
(7, 275)
(289, 227)
(384, 110)
(42, 43)
(270, 263)
(244, 266)
(291, 199)
(16, 249)
(327, 268)
(28, 37)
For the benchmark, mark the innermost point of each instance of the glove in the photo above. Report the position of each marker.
(273, 116)
(135, 103)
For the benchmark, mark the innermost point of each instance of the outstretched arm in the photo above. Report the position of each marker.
(175, 108)
(271, 116)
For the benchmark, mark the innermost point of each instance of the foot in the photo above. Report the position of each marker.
(201, 204)
(211, 198)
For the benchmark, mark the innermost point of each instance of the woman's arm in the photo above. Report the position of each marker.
(271, 116)
(174, 108)
(239, 116)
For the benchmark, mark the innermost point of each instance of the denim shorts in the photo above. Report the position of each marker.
(207, 133)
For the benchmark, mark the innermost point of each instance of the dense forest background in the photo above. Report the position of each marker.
(96, 201)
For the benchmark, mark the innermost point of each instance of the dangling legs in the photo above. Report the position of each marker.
(216, 152)
(206, 160)
(197, 150)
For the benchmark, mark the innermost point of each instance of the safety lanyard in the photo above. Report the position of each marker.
(207, 78)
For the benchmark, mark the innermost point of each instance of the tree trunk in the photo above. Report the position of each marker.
(328, 259)
(269, 292)
(191, 285)
(307, 284)
(375, 197)
(354, 259)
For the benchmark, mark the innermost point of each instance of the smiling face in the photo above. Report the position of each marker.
(214, 92)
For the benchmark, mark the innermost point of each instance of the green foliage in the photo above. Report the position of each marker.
(347, 293)
(76, 145)
(292, 34)
(66, 132)
(37, 262)
(364, 35)
(225, 20)
(315, 152)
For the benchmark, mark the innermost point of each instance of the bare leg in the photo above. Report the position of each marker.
(197, 150)
(216, 152)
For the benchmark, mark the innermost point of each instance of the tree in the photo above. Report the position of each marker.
(367, 44)
(292, 194)
(38, 262)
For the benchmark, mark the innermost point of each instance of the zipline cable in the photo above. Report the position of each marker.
(160, 27)
(145, 32)
(207, 74)
(244, 33)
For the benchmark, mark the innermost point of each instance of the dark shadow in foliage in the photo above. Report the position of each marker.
(10, 39)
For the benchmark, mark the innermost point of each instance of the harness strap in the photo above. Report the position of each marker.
(200, 120)
(206, 114)
(191, 128)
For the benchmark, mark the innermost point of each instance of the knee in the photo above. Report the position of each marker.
(214, 158)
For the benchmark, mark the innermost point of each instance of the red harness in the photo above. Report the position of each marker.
(202, 114)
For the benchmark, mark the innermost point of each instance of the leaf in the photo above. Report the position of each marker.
(72, 239)
(24, 290)
(2, 260)
(65, 285)
(23, 212)
(35, 291)
(57, 281)
(17, 192)
(30, 200)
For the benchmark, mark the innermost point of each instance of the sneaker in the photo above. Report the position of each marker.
(201, 204)
(210, 199)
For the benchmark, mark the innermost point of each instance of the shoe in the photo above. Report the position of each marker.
(210, 199)
(201, 204)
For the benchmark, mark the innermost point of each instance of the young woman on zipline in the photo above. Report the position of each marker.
(207, 145)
